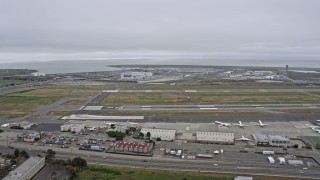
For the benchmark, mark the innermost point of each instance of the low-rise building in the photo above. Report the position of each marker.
(27, 169)
(279, 141)
(215, 137)
(118, 128)
(72, 127)
(29, 137)
(271, 140)
(261, 139)
(122, 146)
(163, 134)
(5, 162)
(295, 162)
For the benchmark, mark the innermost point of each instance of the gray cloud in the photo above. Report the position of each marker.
(123, 28)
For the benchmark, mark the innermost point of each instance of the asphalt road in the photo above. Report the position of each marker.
(233, 163)
(200, 166)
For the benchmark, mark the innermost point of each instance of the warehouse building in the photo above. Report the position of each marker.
(279, 141)
(72, 127)
(215, 137)
(27, 170)
(163, 134)
(271, 140)
(122, 146)
(295, 162)
(29, 136)
(261, 139)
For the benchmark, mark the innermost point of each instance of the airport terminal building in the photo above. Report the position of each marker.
(215, 137)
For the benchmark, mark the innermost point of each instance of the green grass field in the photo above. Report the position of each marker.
(9, 82)
(209, 98)
(23, 102)
(95, 172)
(223, 86)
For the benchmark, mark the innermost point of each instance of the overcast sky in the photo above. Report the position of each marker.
(60, 29)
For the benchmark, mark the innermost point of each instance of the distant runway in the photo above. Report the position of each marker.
(217, 107)
(214, 91)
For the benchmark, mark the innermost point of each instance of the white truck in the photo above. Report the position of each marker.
(282, 160)
(268, 152)
(271, 160)
(179, 152)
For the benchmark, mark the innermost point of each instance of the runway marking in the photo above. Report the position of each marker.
(298, 131)
(111, 91)
(259, 107)
(208, 108)
(92, 108)
(148, 91)
(145, 108)
(247, 168)
(189, 91)
(205, 106)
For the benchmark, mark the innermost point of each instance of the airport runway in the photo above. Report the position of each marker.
(217, 107)
(214, 91)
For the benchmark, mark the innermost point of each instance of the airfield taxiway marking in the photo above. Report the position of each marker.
(189, 91)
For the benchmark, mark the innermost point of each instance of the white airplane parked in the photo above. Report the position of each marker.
(243, 139)
(5, 125)
(92, 129)
(132, 123)
(261, 124)
(314, 127)
(240, 124)
(109, 123)
(222, 123)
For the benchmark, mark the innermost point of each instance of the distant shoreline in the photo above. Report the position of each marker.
(75, 66)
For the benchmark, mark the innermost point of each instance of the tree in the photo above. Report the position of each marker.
(148, 135)
(78, 162)
(117, 135)
(1, 130)
(141, 135)
(16, 152)
(25, 154)
(50, 154)
(158, 139)
(318, 146)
